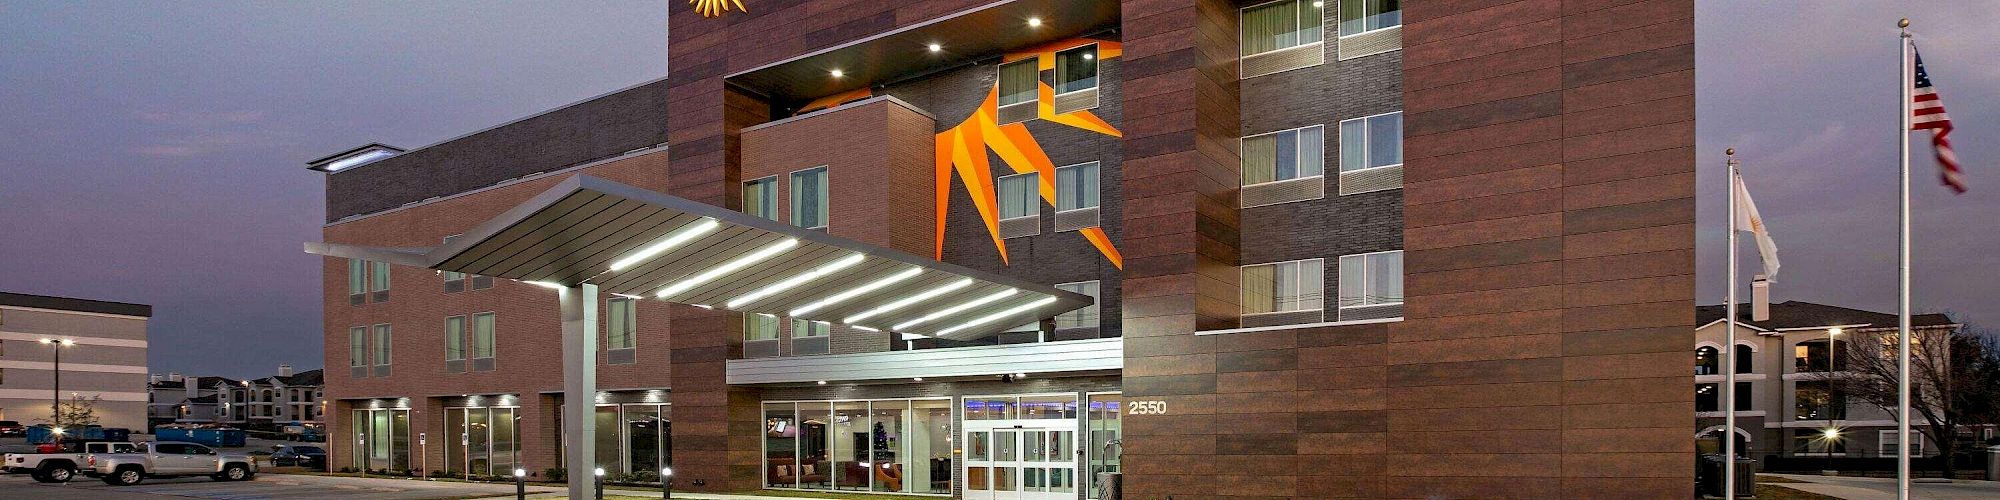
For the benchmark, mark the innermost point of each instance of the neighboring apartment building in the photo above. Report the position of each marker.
(1275, 249)
(265, 404)
(103, 355)
(1787, 398)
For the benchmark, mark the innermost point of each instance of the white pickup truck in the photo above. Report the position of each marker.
(58, 467)
(169, 459)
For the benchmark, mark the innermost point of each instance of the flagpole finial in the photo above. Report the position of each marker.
(1730, 151)
(1905, 23)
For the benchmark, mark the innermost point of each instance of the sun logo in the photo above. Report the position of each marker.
(712, 8)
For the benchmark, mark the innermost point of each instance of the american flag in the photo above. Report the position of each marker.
(1929, 114)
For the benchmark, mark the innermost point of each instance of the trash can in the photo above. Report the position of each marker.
(1710, 476)
(1993, 463)
(1110, 485)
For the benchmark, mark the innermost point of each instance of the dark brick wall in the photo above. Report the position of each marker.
(598, 128)
(1333, 225)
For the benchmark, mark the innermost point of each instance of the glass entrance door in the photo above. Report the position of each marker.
(1020, 463)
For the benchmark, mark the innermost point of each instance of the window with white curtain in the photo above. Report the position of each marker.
(1017, 196)
(382, 345)
(1283, 155)
(810, 198)
(1370, 142)
(1076, 186)
(381, 283)
(621, 317)
(482, 336)
(454, 338)
(1020, 81)
(1361, 16)
(357, 346)
(760, 327)
(1280, 25)
(1283, 287)
(1371, 279)
(760, 197)
(1080, 318)
(803, 328)
(357, 276)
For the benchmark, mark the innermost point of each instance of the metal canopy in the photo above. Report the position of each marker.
(637, 243)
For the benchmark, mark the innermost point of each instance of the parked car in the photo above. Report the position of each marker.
(169, 459)
(310, 457)
(59, 465)
(10, 428)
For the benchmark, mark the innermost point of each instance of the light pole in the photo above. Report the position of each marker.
(55, 393)
(1832, 433)
(667, 482)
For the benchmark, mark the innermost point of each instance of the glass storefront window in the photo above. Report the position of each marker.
(1104, 426)
(478, 434)
(382, 439)
(892, 445)
(643, 426)
(608, 438)
(1048, 407)
(481, 441)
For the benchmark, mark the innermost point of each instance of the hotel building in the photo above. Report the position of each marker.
(102, 357)
(987, 249)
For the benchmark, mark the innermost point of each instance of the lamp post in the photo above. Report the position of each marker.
(600, 482)
(667, 482)
(55, 393)
(520, 483)
(1832, 433)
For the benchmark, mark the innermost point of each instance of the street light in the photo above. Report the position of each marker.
(55, 393)
(666, 482)
(600, 482)
(1832, 432)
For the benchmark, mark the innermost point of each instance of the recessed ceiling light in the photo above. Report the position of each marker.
(935, 47)
(1034, 21)
(968, 305)
(870, 287)
(906, 301)
(1319, 4)
(728, 267)
(1088, 56)
(822, 382)
(837, 73)
(918, 379)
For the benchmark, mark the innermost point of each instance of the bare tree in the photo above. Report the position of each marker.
(77, 412)
(1944, 381)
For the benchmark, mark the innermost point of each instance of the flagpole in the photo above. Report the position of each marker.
(1729, 347)
(1906, 81)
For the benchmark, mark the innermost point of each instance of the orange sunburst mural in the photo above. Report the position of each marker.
(712, 8)
(962, 149)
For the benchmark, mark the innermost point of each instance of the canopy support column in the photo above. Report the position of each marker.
(579, 354)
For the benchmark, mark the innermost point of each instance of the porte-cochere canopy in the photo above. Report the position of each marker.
(638, 243)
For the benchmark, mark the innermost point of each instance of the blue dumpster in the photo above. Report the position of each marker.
(211, 437)
(43, 434)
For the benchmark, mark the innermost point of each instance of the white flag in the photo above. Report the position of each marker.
(1748, 220)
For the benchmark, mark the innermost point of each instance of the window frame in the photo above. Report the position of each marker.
(1364, 16)
(1097, 197)
(792, 214)
(1032, 197)
(357, 346)
(385, 340)
(630, 320)
(769, 184)
(1368, 145)
(378, 276)
(1096, 70)
(1095, 310)
(1243, 292)
(357, 277)
(493, 337)
(825, 327)
(776, 326)
(1240, 15)
(459, 337)
(999, 82)
(1403, 275)
(1299, 153)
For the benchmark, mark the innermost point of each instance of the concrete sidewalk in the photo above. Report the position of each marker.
(625, 492)
(1878, 488)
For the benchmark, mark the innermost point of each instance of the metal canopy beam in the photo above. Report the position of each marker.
(684, 251)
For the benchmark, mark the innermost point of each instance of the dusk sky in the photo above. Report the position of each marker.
(154, 152)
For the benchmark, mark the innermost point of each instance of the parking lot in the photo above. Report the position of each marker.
(264, 486)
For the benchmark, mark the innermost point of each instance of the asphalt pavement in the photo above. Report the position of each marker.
(263, 486)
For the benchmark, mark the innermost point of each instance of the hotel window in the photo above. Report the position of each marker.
(481, 282)
(1886, 443)
(357, 349)
(1371, 285)
(1360, 16)
(1076, 69)
(1283, 155)
(1746, 359)
(380, 286)
(760, 197)
(1280, 25)
(1708, 397)
(357, 281)
(809, 198)
(1076, 187)
(1371, 142)
(1371, 153)
(382, 350)
(1814, 400)
(1017, 196)
(810, 337)
(482, 342)
(621, 334)
(453, 281)
(454, 344)
(1020, 207)
(760, 335)
(1812, 356)
(1080, 318)
(1019, 82)
(1281, 287)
